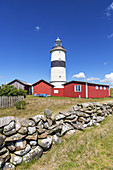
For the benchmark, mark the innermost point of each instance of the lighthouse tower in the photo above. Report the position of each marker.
(58, 64)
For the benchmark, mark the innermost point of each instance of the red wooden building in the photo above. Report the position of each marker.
(81, 89)
(76, 89)
(42, 86)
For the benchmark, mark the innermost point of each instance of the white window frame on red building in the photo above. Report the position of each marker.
(77, 89)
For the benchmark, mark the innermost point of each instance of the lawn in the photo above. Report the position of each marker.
(37, 105)
(88, 149)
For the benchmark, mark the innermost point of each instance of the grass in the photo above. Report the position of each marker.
(89, 149)
(37, 105)
(111, 92)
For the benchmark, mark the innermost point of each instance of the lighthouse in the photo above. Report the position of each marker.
(58, 65)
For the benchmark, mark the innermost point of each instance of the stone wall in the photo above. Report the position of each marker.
(23, 140)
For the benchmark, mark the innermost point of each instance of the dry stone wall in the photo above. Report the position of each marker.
(22, 140)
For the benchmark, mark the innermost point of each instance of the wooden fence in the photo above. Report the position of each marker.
(9, 101)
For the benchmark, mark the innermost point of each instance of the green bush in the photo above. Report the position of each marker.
(20, 104)
(7, 90)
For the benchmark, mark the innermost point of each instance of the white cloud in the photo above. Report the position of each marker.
(80, 75)
(105, 63)
(37, 28)
(108, 79)
(92, 78)
(111, 6)
(109, 9)
(110, 36)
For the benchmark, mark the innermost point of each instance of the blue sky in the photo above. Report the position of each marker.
(29, 28)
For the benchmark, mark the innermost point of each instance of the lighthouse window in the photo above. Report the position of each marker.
(59, 76)
(77, 88)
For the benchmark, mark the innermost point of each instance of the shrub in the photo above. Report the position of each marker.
(20, 104)
(7, 90)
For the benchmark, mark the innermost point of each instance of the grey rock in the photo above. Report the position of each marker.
(42, 135)
(1, 130)
(71, 117)
(66, 127)
(8, 166)
(52, 127)
(110, 110)
(97, 124)
(37, 152)
(33, 142)
(15, 159)
(99, 119)
(89, 111)
(15, 137)
(45, 143)
(4, 158)
(5, 120)
(40, 124)
(85, 105)
(82, 119)
(3, 150)
(76, 108)
(11, 146)
(81, 114)
(24, 151)
(85, 125)
(40, 130)
(31, 130)
(49, 122)
(97, 104)
(17, 124)
(47, 113)
(60, 122)
(77, 126)
(20, 144)
(9, 133)
(46, 125)
(99, 112)
(37, 118)
(53, 118)
(91, 123)
(23, 130)
(24, 122)
(54, 130)
(2, 139)
(56, 139)
(59, 117)
(10, 126)
(71, 132)
(65, 113)
(32, 137)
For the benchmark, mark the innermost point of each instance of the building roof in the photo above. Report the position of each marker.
(42, 81)
(73, 81)
(22, 82)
